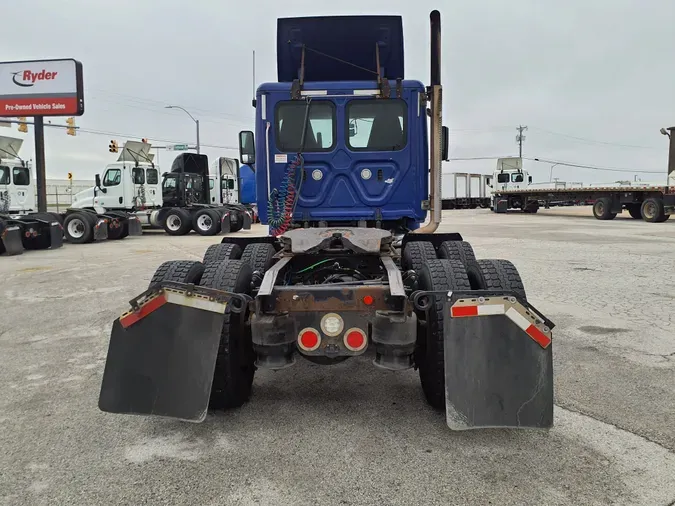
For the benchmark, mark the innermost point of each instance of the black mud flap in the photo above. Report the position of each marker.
(247, 220)
(135, 227)
(162, 354)
(100, 229)
(498, 362)
(11, 240)
(55, 235)
(225, 223)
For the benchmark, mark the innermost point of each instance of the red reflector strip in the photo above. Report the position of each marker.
(459, 311)
(144, 311)
(540, 338)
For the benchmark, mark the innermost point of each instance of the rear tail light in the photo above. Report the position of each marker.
(309, 339)
(355, 339)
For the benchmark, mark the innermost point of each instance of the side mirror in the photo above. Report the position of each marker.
(97, 179)
(247, 147)
(445, 143)
(529, 179)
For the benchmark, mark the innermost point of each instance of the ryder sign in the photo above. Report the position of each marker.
(41, 88)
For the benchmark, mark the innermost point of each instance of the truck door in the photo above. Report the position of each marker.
(213, 194)
(138, 194)
(153, 190)
(20, 190)
(113, 198)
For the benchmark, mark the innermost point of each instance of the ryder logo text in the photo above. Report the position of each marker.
(27, 78)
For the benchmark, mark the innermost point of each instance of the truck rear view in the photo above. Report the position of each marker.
(347, 155)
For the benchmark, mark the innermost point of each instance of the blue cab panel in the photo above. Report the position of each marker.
(347, 38)
(246, 185)
(365, 158)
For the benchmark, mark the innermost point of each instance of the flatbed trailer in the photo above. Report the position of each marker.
(651, 202)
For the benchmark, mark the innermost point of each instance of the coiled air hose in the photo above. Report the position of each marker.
(282, 200)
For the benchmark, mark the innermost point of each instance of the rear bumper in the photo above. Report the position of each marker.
(279, 321)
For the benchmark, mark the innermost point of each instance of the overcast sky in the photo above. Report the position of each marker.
(601, 71)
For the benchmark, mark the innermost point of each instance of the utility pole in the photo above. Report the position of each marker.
(40, 170)
(520, 138)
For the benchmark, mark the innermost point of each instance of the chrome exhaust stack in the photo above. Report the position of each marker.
(435, 92)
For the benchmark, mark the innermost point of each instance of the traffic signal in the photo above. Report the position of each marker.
(22, 124)
(113, 148)
(71, 126)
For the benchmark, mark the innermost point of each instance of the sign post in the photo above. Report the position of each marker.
(41, 88)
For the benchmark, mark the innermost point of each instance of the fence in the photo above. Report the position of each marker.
(60, 193)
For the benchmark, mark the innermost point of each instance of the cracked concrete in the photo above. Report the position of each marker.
(351, 434)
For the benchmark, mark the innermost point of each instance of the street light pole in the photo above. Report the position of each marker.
(550, 177)
(191, 116)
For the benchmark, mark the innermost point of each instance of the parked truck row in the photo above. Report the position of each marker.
(188, 197)
(132, 195)
(22, 228)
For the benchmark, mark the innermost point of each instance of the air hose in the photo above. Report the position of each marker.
(282, 200)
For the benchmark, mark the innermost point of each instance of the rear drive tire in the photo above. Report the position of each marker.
(602, 209)
(235, 363)
(500, 275)
(463, 252)
(206, 222)
(436, 275)
(259, 256)
(78, 228)
(416, 254)
(652, 210)
(179, 271)
(177, 222)
(216, 253)
(236, 221)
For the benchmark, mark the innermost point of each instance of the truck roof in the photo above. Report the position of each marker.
(331, 41)
(340, 85)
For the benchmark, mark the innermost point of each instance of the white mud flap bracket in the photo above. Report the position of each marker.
(498, 362)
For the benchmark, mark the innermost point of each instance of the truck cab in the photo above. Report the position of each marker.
(17, 190)
(510, 175)
(132, 183)
(348, 141)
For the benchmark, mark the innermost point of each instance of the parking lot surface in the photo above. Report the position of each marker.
(351, 434)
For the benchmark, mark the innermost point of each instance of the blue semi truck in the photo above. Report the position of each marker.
(347, 155)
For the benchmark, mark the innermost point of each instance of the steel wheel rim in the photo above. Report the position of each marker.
(204, 222)
(650, 210)
(173, 222)
(76, 228)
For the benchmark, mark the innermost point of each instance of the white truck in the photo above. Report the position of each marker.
(512, 188)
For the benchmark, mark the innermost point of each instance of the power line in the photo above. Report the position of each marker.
(568, 164)
(594, 167)
(592, 141)
(132, 136)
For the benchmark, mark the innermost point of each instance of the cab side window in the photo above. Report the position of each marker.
(4, 175)
(21, 176)
(138, 175)
(152, 176)
(112, 177)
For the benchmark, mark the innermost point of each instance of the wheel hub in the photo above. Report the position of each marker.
(173, 222)
(76, 228)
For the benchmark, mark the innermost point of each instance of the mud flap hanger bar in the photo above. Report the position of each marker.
(491, 302)
(191, 289)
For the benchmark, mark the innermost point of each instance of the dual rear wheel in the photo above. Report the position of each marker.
(453, 268)
(227, 268)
